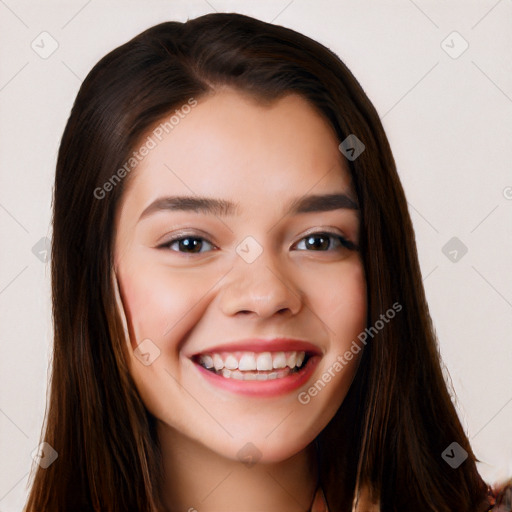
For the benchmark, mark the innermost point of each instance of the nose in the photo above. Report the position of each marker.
(260, 288)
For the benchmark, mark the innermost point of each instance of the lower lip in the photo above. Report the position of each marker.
(274, 387)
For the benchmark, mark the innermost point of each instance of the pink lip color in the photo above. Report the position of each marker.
(266, 388)
(262, 345)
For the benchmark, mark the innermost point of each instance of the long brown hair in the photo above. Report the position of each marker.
(397, 418)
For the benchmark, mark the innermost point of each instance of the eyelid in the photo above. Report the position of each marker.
(328, 230)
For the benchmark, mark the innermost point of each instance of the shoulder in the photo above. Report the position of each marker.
(500, 497)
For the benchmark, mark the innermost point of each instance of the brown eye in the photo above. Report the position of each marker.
(324, 242)
(186, 244)
(318, 242)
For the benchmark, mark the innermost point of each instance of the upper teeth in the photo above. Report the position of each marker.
(247, 361)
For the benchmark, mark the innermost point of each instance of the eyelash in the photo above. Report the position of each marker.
(347, 244)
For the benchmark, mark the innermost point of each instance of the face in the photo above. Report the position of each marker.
(242, 286)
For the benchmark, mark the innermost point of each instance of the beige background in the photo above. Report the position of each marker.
(449, 121)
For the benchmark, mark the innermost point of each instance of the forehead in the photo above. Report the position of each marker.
(231, 145)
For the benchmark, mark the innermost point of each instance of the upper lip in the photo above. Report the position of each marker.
(264, 345)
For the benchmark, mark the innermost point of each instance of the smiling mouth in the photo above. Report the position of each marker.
(259, 366)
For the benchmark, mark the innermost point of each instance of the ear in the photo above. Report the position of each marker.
(120, 306)
(365, 502)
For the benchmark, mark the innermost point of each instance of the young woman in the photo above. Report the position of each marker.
(240, 321)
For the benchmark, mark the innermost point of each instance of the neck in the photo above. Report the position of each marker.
(195, 478)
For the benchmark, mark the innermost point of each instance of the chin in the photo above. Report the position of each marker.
(265, 451)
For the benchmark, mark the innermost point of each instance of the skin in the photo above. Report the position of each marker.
(262, 156)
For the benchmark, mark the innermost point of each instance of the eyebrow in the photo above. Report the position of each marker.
(222, 207)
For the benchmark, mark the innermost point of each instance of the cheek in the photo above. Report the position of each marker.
(339, 299)
(348, 299)
(158, 301)
(342, 307)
